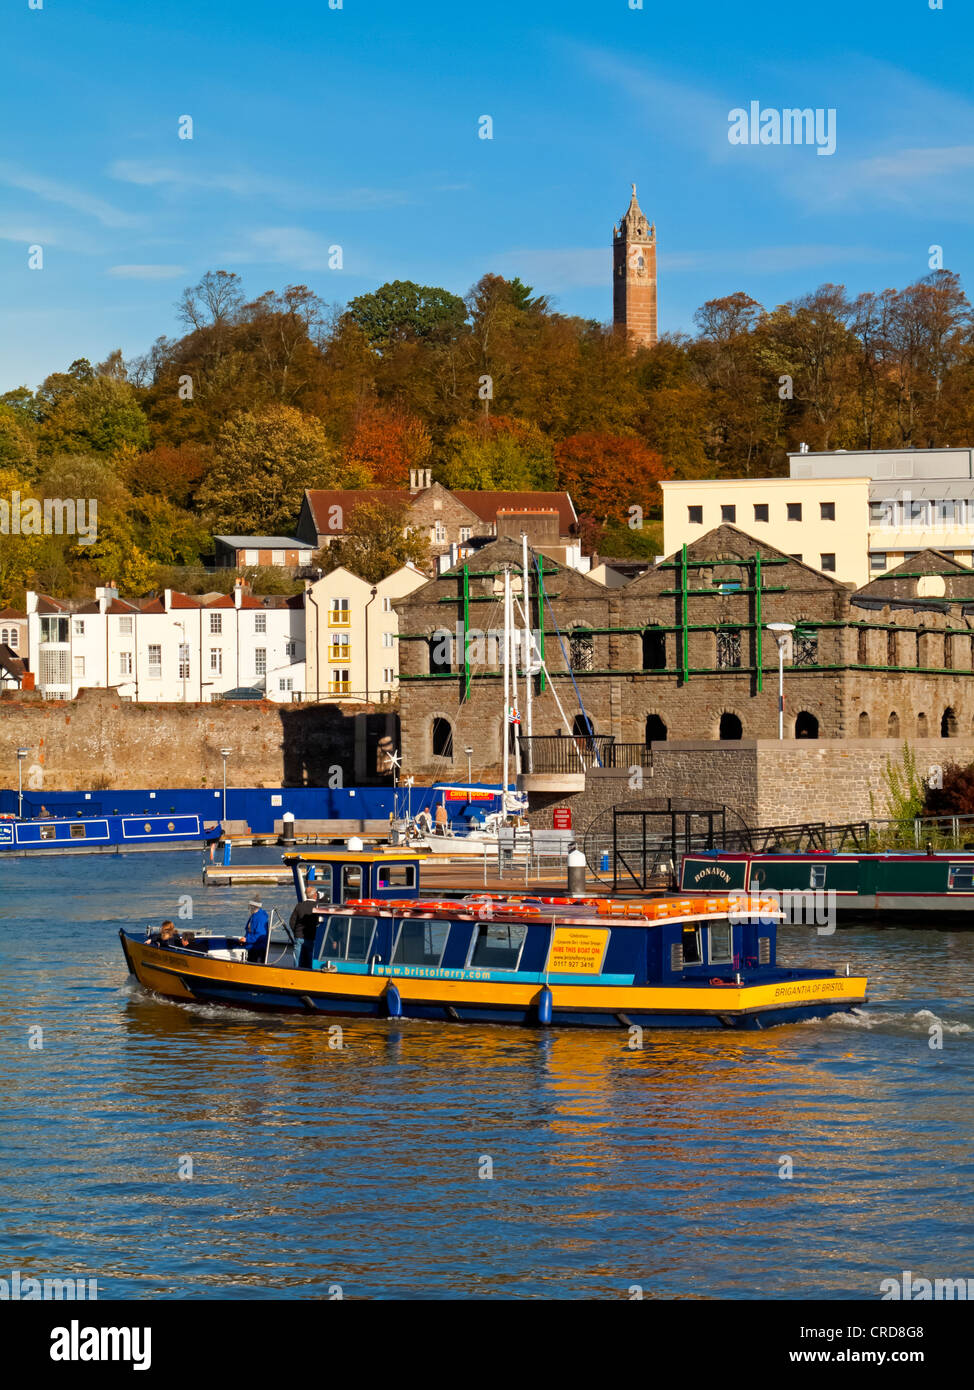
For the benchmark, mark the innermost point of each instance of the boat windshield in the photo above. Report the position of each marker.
(347, 938)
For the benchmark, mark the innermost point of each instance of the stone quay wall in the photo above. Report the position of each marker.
(764, 781)
(74, 744)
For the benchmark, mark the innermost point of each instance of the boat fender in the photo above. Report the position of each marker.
(393, 1002)
(544, 1006)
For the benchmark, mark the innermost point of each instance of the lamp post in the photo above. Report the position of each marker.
(21, 755)
(469, 753)
(780, 632)
(224, 754)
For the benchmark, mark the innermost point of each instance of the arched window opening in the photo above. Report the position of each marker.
(441, 652)
(893, 725)
(654, 649)
(864, 728)
(442, 738)
(730, 727)
(948, 724)
(581, 650)
(655, 729)
(922, 730)
(806, 725)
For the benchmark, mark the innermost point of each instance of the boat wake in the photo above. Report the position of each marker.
(919, 1022)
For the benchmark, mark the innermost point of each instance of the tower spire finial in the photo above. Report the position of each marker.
(634, 190)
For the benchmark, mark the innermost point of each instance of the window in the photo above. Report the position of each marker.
(8, 637)
(125, 627)
(882, 513)
(347, 938)
(695, 516)
(79, 666)
(804, 648)
(794, 511)
(216, 624)
(760, 511)
(806, 725)
(79, 627)
(692, 953)
(216, 661)
(77, 832)
(184, 661)
(388, 675)
(827, 510)
(877, 561)
(828, 561)
(54, 629)
(340, 648)
(338, 613)
(420, 943)
(290, 648)
(155, 663)
(728, 649)
(816, 876)
(654, 650)
(730, 728)
(721, 944)
(286, 683)
(497, 946)
(388, 639)
(125, 663)
(728, 513)
(581, 650)
(260, 622)
(54, 668)
(862, 648)
(340, 683)
(465, 533)
(386, 604)
(396, 876)
(442, 738)
(960, 878)
(439, 533)
(655, 730)
(260, 661)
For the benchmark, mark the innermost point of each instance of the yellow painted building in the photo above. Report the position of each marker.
(352, 634)
(823, 522)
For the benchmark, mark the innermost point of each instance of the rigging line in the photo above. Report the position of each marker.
(485, 664)
(578, 694)
(554, 692)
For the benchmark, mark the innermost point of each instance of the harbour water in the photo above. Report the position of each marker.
(448, 1160)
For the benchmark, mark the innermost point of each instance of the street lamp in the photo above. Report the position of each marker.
(781, 632)
(21, 755)
(469, 753)
(224, 754)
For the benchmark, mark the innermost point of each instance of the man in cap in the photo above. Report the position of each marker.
(255, 933)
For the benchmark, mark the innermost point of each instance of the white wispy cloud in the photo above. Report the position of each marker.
(560, 268)
(67, 195)
(246, 183)
(145, 272)
(291, 246)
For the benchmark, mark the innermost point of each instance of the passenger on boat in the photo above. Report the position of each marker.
(304, 925)
(255, 932)
(169, 936)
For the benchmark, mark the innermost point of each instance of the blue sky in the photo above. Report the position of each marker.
(359, 127)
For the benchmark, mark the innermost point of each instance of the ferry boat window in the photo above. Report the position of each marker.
(498, 945)
(396, 876)
(816, 876)
(692, 954)
(961, 876)
(77, 832)
(347, 938)
(721, 944)
(351, 881)
(48, 832)
(318, 881)
(420, 943)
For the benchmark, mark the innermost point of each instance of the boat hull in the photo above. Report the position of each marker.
(190, 977)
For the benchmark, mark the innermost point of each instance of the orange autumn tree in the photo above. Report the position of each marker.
(607, 474)
(388, 442)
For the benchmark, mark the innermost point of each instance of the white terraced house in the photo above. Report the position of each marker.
(177, 648)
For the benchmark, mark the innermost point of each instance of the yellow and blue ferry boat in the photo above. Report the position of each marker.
(361, 941)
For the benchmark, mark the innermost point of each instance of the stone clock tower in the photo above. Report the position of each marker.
(634, 277)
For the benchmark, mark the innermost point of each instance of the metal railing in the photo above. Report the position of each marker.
(578, 752)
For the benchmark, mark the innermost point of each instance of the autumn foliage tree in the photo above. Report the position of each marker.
(387, 443)
(376, 542)
(609, 474)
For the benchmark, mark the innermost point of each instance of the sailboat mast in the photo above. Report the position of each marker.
(528, 661)
(505, 735)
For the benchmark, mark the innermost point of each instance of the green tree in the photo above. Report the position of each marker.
(376, 542)
(494, 453)
(402, 309)
(100, 416)
(263, 462)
